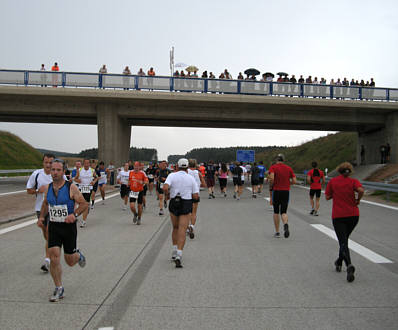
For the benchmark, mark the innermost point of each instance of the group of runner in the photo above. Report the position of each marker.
(62, 196)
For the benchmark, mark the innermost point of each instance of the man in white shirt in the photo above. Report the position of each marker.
(181, 188)
(36, 185)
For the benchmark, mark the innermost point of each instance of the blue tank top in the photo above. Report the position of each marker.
(262, 170)
(63, 197)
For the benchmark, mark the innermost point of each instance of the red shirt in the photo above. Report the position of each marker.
(342, 189)
(137, 180)
(316, 180)
(282, 175)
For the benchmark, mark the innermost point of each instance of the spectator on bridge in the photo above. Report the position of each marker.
(151, 73)
(221, 76)
(212, 76)
(43, 76)
(345, 82)
(323, 89)
(227, 74)
(103, 70)
(55, 68)
(356, 83)
(269, 78)
(253, 77)
(194, 74)
(352, 82)
(126, 80)
(247, 77)
(204, 75)
(176, 74)
(308, 80)
(372, 83)
(362, 83)
(301, 79)
(240, 76)
(293, 79)
(332, 83)
(141, 72)
(264, 77)
(182, 74)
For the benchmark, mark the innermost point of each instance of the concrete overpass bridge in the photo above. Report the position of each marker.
(115, 111)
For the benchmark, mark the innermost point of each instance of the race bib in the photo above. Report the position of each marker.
(58, 213)
(85, 189)
(150, 176)
(103, 175)
(161, 185)
(134, 194)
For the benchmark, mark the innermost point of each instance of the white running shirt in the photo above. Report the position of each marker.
(195, 175)
(182, 183)
(123, 176)
(43, 179)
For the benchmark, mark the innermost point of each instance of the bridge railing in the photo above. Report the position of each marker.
(178, 84)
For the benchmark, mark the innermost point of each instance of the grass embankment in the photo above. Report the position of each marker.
(16, 153)
(329, 151)
(393, 197)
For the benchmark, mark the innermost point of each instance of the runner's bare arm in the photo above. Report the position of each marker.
(77, 196)
(294, 180)
(44, 208)
(166, 191)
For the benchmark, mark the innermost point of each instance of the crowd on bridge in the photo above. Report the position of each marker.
(63, 197)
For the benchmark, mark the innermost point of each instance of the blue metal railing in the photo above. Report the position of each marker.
(178, 84)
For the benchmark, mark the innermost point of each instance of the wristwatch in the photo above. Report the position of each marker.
(76, 215)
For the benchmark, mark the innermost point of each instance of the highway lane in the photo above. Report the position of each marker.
(235, 275)
(12, 185)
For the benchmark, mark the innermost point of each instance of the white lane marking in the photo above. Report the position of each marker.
(362, 201)
(12, 192)
(34, 220)
(106, 328)
(358, 248)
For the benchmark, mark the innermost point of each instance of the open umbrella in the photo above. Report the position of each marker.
(282, 74)
(192, 68)
(252, 72)
(269, 74)
(180, 65)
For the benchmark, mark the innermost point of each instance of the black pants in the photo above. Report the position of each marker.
(343, 228)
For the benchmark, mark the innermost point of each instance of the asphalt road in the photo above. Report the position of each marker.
(235, 275)
(12, 184)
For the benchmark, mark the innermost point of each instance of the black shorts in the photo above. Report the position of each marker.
(160, 190)
(223, 182)
(139, 199)
(195, 200)
(151, 180)
(182, 208)
(316, 192)
(145, 190)
(95, 187)
(255, 182)
(124, 190)
(87, 197)
(62, 234)
(280, 201)
(237, 181)
(46, 218)
(210, 182)
(260, 180)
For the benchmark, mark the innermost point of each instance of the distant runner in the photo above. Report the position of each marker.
(194, 172)
(210, 178)
(316, 179)
(137, 180)
(161, 175)
(102, 174)
(123, 180)
(261, 176)
(237, 174)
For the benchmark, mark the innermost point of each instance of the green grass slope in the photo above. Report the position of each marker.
(329, 151)
(17, 154)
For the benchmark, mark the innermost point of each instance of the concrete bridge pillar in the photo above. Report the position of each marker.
(373, 140)
(114, 134)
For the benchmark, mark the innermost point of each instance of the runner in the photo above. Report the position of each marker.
(36, 185)
(261, 176)
(237, 173)
(94, 166)
(248, 168)
(210, 178)
(145, 186)
(59, 203)
(244, 172)
(182, 189)
(223, 178)
(78, 165)
(86, 178)
(161, 176)
(193, 171)
(281, 176)
(137, 180)
(316, 179)
(345, 213)
(255, 179)
(150, 172)
(102, 174)
(123, 180)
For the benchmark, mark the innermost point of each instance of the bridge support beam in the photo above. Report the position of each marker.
(371, 141)
(114, 135)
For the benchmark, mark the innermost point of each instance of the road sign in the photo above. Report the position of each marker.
(245, 156)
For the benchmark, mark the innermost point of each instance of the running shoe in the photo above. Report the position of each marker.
(83, 224)
(138, 221)
(225, 195)
(350, 273)
(277, 235)
(82, 259)
(191, 233)
(238, 198)
(234, 195)
(209, 196)
(92, 207)
(161, 212)
(286, 230)
(165, 204)
(135, 218)
(316, 213)
(174, 255)
(57, 295)
(338, 265)
(44, 267)
(312, 211)
(212, 195)
(177, 260)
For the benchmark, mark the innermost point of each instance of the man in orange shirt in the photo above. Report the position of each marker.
(137, 180)
(55, 67)
(151, 73)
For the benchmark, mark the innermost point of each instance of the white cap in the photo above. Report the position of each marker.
(183, 163)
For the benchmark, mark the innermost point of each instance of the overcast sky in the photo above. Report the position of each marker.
(331, 39)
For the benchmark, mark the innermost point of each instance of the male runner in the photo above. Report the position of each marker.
(161, 176)
(94, 166)
(59, 203)
(102, 174)
(78, 165)
(237, 173)
(145, 187)
(36, 185)
(137, 180)
(194, 172)
(255, 179)
(316, 179)
(261, 176)
(182, 189)
(211, 178)
(281, 176)
(123, 180)
(150, 172)
(86, 178)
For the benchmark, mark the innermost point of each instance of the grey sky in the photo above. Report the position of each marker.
(330, 39)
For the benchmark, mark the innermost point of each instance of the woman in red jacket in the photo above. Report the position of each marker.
(346, 194)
